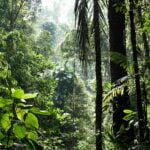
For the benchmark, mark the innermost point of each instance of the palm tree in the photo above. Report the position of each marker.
(81, 13)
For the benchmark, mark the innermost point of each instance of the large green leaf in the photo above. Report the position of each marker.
(31, 121)
(20, 113)
(19, 131)
(32, 135)
(36, 110)
(29, 96)
(6, 122)
(5, 102)
(17, 93)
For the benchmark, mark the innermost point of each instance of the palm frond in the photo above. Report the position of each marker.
(81, 17)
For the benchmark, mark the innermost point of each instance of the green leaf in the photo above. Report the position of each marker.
(127, 111)
(31, 121)
(6, 122)
(19, 131)
(36, 110)
(18, 93)
(24, 106)
(128, 117)
(29, 96)
(5, 102)
(20, 113)
(32, 135)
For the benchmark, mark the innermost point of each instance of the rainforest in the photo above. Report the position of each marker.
(74, 75)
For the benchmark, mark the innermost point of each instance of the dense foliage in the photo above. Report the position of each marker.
(51, 74)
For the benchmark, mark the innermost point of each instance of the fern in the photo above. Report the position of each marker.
(111, 91)
(108, 97)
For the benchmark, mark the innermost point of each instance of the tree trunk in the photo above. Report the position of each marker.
(136, 71)
(146, 49)
(117, 44)
(144, 36)
(98, 109)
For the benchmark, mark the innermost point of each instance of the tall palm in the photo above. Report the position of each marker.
(81, 13)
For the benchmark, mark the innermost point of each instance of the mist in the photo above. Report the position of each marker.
(59, 11)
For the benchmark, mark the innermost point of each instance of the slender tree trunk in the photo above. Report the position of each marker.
(144, 36)
(136, 71)
(96, 26)
(146, 49)
(117, 44)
